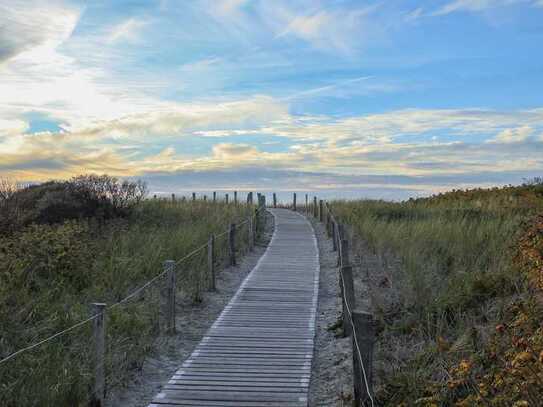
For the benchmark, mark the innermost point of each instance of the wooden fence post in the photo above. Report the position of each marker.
(194, 196)
(347, 299)
(249, 198)
(168, 297)
(334, 235)
(236, 197)
(173, 197)
(257, 227)
(232, 243)
(315, 209)
(99, 327)
(214, 196)
(344, 251)
(339, 238)
(211, 261)
(294, 202)
(363, 340)
(250, 232)
(226, 198)
(274, 200)
(321, 214)
(306, 204)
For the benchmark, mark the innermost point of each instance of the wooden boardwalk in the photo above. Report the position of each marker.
(258, 353)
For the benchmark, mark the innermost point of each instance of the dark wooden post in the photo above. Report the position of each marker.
(194, 196)
(306, 204)
(154, 196)
(250, 232)
(363, 340)
(334, 235)
(294, 202)
(249, 198)
(315, 209)
(168, 297)
(344, 252)
(232, 244)
(257, 227)
(226, 198)
(211, 262)
(214, 196)
(339, 238)
(274, 200)
(236, 197)
(99, 327)
(173, 197)
(321, 213)
(347, 299)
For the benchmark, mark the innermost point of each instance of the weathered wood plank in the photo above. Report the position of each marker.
(259, 350)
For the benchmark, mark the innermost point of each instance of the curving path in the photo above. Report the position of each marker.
(258, 352)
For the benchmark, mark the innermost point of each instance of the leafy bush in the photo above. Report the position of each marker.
(87, 196)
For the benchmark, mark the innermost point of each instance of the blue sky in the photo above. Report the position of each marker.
(344, 98)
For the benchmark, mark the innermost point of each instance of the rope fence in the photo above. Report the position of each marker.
(221, 249)
(357, 324)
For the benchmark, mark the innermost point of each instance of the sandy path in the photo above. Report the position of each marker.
(331, 379)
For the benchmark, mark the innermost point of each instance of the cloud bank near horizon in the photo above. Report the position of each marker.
(291, 95)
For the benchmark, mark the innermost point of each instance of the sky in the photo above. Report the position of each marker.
(370, 99)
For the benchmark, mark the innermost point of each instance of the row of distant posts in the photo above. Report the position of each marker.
(214, 197)
(168, 290)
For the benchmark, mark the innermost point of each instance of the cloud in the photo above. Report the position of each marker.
(230, 151)
(12, 127)
(175, 119)
(126, 31)
(308, 27)
(34, 25)
(480, 5)
(515, 135)
(330, 29)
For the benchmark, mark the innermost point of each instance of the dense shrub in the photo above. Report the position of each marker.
(87, 196)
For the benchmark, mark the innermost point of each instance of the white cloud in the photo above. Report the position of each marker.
(12, 127)
(480, 5)
(34, 26)
(308, 27)
(126, 31)
(514, 135)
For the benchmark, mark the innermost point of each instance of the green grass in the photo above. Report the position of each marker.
(49, 274)
(455, 277)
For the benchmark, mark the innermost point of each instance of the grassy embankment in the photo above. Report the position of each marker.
(50, 271)
(460, 310)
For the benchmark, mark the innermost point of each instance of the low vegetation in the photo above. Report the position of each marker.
(457, 294)
(64, 245)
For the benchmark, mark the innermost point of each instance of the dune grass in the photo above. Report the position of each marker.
(49, 275)
(455, 280)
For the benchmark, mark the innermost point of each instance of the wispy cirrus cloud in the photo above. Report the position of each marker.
(129, 30)
(481, 5)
